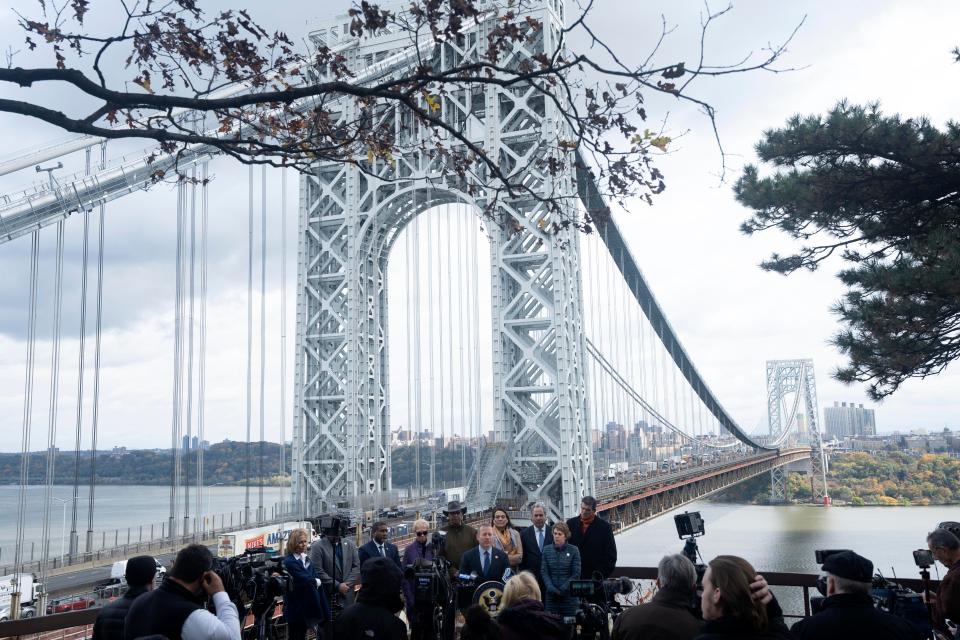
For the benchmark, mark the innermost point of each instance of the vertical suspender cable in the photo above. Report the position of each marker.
(80, 360)
(471, 373)
(475, 311)
(97, 336)
(263, 337)
(449, 305)
(460, 338)
(27, 402)
(202, 345)
(54, 389)
(175, 427)
(430, 333)
(283, 320)
(418, 390)
(246, 449)
(189, 382)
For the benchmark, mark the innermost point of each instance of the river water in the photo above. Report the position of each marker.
(117, 508)
(783, 538)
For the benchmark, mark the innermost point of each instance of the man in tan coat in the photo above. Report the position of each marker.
(460, 537)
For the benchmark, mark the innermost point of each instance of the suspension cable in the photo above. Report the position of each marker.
(27, 402)
(263, 338)
(54, 388)
(190, 323)
(430, 352)
(202, 346)
(415, 276)
(475, 312)
(175, 427)
(97, 339)
(82, 352)
(246, 451)
(283, 321)
(461, 373)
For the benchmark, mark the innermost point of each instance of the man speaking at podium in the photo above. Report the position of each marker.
(485, 561)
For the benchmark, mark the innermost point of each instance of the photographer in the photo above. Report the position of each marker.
(848, 610)
(139, 574)
(419, 551)
(945, 547)
(668, 616)
(175, 608)
(305, 605)
(373, 615)
(337, 562)
(593, 536)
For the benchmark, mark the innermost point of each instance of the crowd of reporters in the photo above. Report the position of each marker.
(342, 592)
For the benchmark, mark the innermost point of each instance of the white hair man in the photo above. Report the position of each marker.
(669, 615)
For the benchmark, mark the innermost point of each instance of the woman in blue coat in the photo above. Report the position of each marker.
(560, 564)
(305, 605)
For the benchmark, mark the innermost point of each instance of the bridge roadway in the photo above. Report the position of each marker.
(629, 504)
(624, 505)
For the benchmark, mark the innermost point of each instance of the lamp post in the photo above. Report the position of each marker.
(63, 527)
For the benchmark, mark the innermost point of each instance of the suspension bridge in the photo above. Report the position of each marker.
(392, 260)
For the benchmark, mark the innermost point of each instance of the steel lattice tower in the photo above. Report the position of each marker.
(785, 378)
(349, 219)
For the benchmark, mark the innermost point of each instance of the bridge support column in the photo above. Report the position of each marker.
(778, 485)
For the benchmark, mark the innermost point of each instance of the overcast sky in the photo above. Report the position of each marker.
(731, 316)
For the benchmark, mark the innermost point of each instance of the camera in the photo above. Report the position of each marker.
(822, 554)
(923, 558)
(689, 525)
(253, 581)
(434, 598)
(598, 605)
(332, 525)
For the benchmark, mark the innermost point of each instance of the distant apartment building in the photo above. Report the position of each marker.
(843, 420)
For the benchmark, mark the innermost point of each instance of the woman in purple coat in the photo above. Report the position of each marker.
(419, 549)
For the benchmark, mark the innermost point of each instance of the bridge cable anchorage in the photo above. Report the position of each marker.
(202, 346)
(52, 409)
(97, 341)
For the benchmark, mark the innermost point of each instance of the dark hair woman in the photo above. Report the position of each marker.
(305, 606)
(729, 608)
(506, 538)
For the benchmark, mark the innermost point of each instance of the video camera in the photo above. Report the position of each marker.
(332, 526)
(598, 605)
(254, 581)
(690, 526)
(434, 598)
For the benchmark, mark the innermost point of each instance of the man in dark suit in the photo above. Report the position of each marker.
(533, 538)
(485, 560)
(378, 546)
(593, 536)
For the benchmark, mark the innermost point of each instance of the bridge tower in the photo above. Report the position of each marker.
(792, 381)
(350, 216)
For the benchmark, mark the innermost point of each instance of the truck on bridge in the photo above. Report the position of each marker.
(617, 468)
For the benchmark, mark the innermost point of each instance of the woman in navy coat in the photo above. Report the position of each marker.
(305, 605)
(560, 565)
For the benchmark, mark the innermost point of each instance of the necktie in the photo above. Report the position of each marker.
(486, 563)
(338, 563)
(380, 548)
(540, 538)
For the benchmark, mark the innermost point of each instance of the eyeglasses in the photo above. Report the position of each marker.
(421, 533)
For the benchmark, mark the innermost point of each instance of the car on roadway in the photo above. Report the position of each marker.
(25, 612)
(73, 603)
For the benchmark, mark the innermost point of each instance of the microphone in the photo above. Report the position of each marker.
(463, 577)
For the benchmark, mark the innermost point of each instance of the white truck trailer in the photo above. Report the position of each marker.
(272, 537)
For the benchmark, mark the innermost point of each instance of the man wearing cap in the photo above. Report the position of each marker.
(139, 574)
(848, 610)
(460, 537)
(945, 547)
